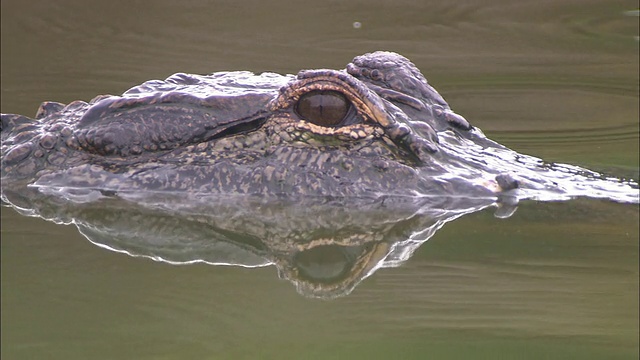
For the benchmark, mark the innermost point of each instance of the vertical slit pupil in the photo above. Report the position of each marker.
(323, 107)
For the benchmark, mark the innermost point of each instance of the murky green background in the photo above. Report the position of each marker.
(556, 79)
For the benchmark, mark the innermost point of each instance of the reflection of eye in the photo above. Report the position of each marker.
(324, 264)
(324, 108)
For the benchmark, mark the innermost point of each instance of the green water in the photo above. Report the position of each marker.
(554, 79)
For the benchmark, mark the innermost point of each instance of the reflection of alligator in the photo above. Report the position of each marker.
(329, 175)
(325, 247)
(377, 128)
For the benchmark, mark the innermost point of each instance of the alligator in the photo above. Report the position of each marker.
(376, 128)
(327, 175)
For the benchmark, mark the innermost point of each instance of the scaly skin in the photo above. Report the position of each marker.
(239, 133)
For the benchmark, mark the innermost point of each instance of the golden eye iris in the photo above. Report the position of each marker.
(324, 108)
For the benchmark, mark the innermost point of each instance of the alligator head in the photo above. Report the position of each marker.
(375, 129)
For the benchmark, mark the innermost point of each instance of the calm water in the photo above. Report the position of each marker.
(554, 79)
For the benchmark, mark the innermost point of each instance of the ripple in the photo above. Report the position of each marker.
(591, 137)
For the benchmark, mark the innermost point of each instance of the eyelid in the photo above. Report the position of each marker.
(366, 105)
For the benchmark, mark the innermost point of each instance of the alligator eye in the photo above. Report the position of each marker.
(325, 108)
